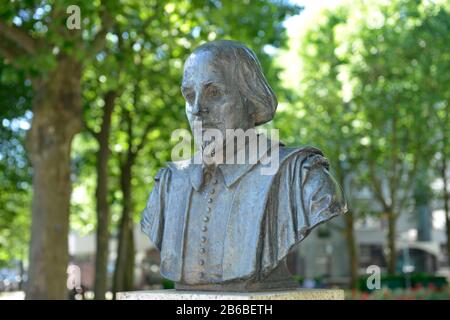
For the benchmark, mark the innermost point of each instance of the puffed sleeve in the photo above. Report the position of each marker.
(152, 222)
(322, 197)
(304, 194)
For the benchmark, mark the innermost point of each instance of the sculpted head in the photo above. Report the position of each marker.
(225, 88)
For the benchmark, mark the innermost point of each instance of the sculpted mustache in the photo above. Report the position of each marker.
(204, 122)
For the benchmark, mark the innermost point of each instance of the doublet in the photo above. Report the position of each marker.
(233, 224)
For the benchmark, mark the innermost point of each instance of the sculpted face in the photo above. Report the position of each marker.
(212, 96)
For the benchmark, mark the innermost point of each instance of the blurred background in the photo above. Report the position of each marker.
(89, 97)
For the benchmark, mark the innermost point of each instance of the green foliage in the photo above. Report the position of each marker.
(318, 281)
(15, 173)
(419, 293)
(414, 280)
(367, 92)
(167, 284)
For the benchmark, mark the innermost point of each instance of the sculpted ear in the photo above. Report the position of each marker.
(249, 105)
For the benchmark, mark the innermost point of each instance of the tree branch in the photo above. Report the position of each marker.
(141, 144)
(409, 182)
(20, 37)
(7, 52)
(377, 187)
(107, 22)
(10, 52)
(91, 131)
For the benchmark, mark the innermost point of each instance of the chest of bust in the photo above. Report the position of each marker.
(213, 233)
(207, 218)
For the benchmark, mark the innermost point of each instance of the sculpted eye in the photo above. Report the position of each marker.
(214, 91)
(188, 94)
(190, 97)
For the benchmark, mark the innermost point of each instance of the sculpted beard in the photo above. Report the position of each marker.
(210, 142)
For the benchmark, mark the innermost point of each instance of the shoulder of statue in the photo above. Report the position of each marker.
(306, 155)
(180, 169)
(181, 165)
(162, 174)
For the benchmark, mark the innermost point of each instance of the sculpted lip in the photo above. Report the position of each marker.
(204, 122)
(204, 128)
(207, 125)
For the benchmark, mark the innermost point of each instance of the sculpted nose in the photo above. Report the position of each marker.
(197, 108)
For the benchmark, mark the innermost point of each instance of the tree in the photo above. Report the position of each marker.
(327, 116)
(103, 96)
(376, 104)
(15, 182)
(34, 38)
(434, 61)
(381, 44)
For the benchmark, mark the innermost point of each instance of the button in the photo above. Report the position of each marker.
(208, 209)
(212, 191)
(204, 229)
(206, 218)
(215, 181)
(201, 262)
(203, 239)
(210, 200)
(202, 250)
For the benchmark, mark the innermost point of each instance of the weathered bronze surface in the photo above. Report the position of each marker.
(227, 227)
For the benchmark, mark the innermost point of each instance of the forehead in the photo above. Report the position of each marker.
(202, 67)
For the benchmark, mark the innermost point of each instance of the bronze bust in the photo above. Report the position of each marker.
(224, 226)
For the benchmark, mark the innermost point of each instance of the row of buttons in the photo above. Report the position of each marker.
(206, 219)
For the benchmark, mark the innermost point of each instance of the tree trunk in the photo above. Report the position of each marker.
(349, 233)
(101, 194)
(123, 273)
(56, 119)
(129, 268)
(21, 271)
(422, 198)
(351, 248)
(392, 248)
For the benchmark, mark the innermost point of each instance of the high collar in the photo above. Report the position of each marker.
(231, 172)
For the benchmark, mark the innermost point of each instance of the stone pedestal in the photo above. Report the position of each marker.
(297, 294)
